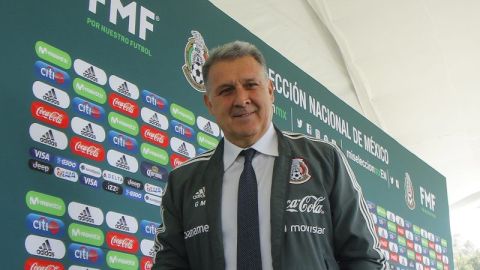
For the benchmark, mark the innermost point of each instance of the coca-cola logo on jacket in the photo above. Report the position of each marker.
(308, 204)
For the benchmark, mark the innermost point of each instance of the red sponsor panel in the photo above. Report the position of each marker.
(123, 105)
(154, 136)
(122, 242)
(410, 244)
(418, 257)
(445, 267)
(177, 160)
(439, 257)
(146, 263)
(40, 264)
(426, 268)
(384, 243)
(87, 149)
(394, 257)
(431, 245)
(49, 114)
(401, 231)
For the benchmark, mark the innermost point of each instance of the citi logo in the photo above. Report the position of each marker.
(123, 87)
(45, 247)
(182, 130)
(123, 105)
(122, 141)
(89, 109)
(154, 101)
(153, 118)
(122, 161)
(122, 222)
(87, 149)
(51, 94)
(85, 213)
(49, 114)
(154, 136)
(88, 129)
(149, 228)
(46, 226)
(52, 74)
(85, 254)
(129, 11)
(90, 72)
(48, 136)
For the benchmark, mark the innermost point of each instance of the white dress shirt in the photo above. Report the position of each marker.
(267, 150)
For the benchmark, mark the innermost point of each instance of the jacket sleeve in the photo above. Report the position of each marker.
(356, 243)
(170, 251)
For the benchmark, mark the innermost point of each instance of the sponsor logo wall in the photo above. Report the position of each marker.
(106, 100)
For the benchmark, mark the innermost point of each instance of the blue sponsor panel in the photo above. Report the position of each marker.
(41, 154)
(90, 181)
(52, 74)
(182, 131)
(149, 228)
(382, 222)
(153, 171)
(84, 254)
(66, 163)
(45, 226)
(154, 101)
(122, 142)
(201, 150)
(133, 194)
(88, 109)
(392, 237)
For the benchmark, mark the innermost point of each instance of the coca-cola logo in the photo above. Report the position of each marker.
(49, 114)
(87, 149)
(123, 105)
(40, 264)
(177, 160)
(154, 136)
(307, 204)
(122, 242)
(146, 263)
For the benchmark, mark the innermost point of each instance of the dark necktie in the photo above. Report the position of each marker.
(248, 235)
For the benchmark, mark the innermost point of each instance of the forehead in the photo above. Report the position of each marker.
(241, 68)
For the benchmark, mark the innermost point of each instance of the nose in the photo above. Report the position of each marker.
(242, 96)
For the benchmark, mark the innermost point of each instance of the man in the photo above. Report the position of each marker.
(306, 211)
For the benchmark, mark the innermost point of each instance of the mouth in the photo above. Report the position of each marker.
(242, 114)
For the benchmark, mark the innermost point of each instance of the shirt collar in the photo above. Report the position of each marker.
(267, 145)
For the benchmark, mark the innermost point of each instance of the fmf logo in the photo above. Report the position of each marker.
(52, 74)
(427, 198)
(45, 226)
(85, 254)
(128, 11)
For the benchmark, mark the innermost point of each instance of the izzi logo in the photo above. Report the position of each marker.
(129, 11)
(86, 254)
(52, 74)
(46, 226)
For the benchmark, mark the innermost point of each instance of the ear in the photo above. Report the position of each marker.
(271, 91)
(207, 103)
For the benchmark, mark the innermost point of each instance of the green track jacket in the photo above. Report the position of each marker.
(319, 218)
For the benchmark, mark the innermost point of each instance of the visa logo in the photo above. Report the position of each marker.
(45, 226)
(40, 154)
(89, 181)
(89, 109)
(52, 74)
(182, 130)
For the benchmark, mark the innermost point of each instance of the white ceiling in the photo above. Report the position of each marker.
(411, 67)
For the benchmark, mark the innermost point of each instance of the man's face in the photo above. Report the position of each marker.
(240, 98)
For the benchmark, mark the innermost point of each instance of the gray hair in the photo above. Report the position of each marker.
(232, 51)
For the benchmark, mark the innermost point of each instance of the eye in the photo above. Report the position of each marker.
(251, 85)
(225, 90)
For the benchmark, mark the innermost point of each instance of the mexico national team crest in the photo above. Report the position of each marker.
(299, 172)
(196, 53)
(409, 192)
